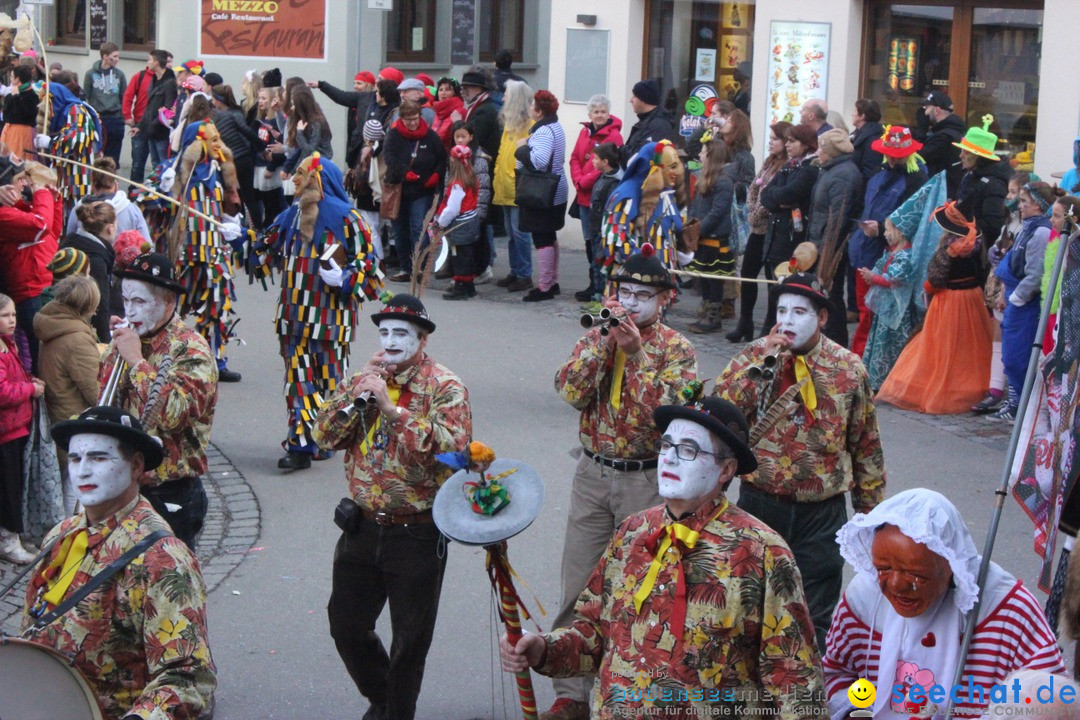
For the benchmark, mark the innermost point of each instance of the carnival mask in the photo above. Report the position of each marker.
(680, 479)
(144, 309)
(910, 575)
(97, 470)
(671, 165)
(400, 341)
(641, 302)
(798, 320)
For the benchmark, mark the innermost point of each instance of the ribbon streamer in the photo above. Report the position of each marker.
(499, 571)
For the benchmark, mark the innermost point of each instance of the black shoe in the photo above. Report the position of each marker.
(584, 295)
(519, 284)
(990, 403)
(506, 281)
(556, 289)
(538, 295)
(460, 291)
(741, 333)
(227, 375)
(295, 461)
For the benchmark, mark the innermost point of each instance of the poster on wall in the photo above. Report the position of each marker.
(293, 29)
(734, 15)
(798, 68)
(705, 65)
(903, 64)
(734, 51)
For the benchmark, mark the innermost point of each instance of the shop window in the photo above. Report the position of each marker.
(410, 31)
(140, 25)
(70, 22)
(501, 26)
(692, 43)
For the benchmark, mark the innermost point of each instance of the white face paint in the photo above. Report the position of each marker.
(400, 341)
(688, 479)
(142, 307)
(97, 470)
(641, 302)
(798, 320)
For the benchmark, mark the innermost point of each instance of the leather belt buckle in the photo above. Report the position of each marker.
(384, 518)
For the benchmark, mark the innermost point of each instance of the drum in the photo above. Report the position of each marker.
(38, 683)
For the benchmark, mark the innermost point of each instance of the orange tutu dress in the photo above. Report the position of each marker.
(945, 368)
(19, 140)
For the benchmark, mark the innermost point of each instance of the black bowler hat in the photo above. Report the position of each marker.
(717, 416)
(405, 307)
(644, 268)
(153, 268)
(114, 422)
(807, 285)
(477, 79)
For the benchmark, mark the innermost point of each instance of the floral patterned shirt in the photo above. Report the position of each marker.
(653, 377)
(813, 458)
(173, 392)
(403, 476)
(140, 639)
(748, 640)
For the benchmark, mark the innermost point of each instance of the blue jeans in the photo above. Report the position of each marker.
(140, 150)
(407, 228)
(114, 136)
(519, 244)
(592, 251)
(159, 151)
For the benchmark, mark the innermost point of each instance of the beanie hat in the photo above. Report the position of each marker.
(648, 91)
(364, 76)
(128, 246)
(272, 78)
(392, 73)
(373, 130)
(213, 79)
(67, 262)
(835, 142)
(425, 78)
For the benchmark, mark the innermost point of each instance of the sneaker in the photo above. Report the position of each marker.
(566, 709)
(592, 308)
(988, 404)
(11, 548)
(484, 277)
(519, 284)
(1007, 413)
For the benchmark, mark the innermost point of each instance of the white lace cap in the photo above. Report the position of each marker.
(927, 517)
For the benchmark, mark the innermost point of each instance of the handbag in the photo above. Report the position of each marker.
(535, 189)
(691, 234)
(390, 205)
(740, 228)
(43, 486)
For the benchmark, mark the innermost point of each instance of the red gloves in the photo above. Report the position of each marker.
(432, 181)
(411, 176)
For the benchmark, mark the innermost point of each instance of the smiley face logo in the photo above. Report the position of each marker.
(862, 693)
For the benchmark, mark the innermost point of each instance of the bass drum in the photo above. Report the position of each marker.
(38, 683)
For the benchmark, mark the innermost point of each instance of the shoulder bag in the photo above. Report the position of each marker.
(535, 189)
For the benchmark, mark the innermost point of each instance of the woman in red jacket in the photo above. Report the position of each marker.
(31, 215)
(601, 127)
(448, 101)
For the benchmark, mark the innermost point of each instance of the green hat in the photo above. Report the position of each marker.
(980, 141)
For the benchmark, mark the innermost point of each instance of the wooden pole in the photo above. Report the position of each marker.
(725, 278)
(174, 201)
(512, 622)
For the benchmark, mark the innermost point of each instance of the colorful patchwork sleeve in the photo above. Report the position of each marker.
(578, 380)
(362, 277)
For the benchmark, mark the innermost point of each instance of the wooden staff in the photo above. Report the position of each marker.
(508, 606)
(174, 201)
(725, 278)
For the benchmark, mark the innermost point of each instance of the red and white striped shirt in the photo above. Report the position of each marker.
(1012, 635)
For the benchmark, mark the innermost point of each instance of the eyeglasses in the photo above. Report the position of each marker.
(684, 451)
(641, 295)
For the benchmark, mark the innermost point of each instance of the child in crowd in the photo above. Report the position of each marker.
(20, 113)
(890, 302)
(458, 219)
(464, 134)
(711, 206)
(17, 388)
(605, 160)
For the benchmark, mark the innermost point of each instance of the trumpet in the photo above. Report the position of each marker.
(767, 369)
(361, 402)
(603, 320)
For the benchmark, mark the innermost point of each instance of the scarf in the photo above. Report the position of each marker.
(476, 102)
(419, 133)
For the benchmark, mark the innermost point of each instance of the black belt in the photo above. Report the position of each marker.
(788, 499)
(621, 465)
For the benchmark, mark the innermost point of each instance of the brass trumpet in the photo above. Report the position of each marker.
(362, 402)
(767, 369)
(603, 320)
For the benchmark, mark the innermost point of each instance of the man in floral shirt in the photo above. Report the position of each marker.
(815, 434)
(616, 381)
(140, 638)
(170, 384)
(696, 605)
(392, 418)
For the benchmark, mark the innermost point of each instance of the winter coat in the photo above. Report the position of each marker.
(865, 157)
(162, 94)
(601, 191)
(443, 122)
(504, 179)
(939, 152)
(483, 114)
(240, 137)
(982, 192)
(136, 95)
(357, 104)
(653, 126)
(104, 89)
(740, 169)
(416, 159)
(128, 216)
(546, 149)
(713, 209)
(67, 361)
(791, 188)
(21, 108)
(102, 257)
(837, 197)
(16, 410)
(582, 172)
(28, 242)
(885, 191)
(313, 138)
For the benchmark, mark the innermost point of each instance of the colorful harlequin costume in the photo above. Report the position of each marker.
(206, 182)
(646, 206)
(314, 320)
(75, 129)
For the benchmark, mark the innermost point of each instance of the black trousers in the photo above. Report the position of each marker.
(463, 259)
(402, 565)
(752, 263)
(810, 531)
(186, 521)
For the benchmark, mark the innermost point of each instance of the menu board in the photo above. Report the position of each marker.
(798, 68)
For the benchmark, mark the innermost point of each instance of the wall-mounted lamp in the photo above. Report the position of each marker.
(589, 20)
